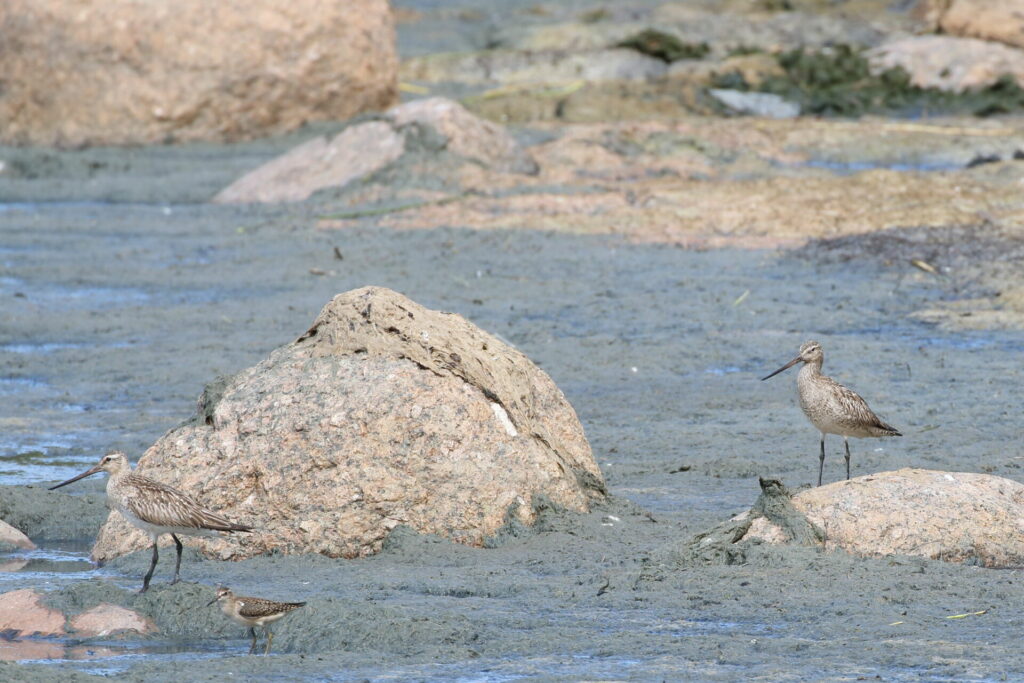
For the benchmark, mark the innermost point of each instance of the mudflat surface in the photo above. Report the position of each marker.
(124, 294)
(126, 310)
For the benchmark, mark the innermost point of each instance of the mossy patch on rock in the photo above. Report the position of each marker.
(664, 46)
(838, 81)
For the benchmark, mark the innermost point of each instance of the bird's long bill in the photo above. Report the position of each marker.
(212, 601)
(72, 480)
(787, 366)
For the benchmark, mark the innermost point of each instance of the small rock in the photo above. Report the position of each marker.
(754, 68)
(23, 610)
(468, 135)
(951, 516)
(949, 63)
(354, 153)
(11, 536)
(106, 619)
(768, 105)
(364, 148)
(999, 20)
(551, 66)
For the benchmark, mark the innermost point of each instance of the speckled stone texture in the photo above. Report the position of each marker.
(952, 516)
(89, 72)
(384, 413)
(22, 611)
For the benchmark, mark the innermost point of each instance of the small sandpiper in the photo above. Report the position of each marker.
(830, 406)
(155, 508)
(253, 612)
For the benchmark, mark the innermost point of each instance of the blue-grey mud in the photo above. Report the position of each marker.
(123, 293)
(658, 348)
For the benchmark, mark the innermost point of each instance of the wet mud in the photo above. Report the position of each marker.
(124, 295)
(658, 348)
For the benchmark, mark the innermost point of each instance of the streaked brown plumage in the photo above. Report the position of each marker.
(155, 508)
(253, 612)
(830, 406)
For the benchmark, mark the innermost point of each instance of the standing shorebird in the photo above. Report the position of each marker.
(155, 508)
(830, 406)
(253, 612)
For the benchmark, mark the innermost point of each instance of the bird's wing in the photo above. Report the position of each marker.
(162, 505)
(848, 403)
(254, 608)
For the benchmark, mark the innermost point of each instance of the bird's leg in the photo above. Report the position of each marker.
(177, 566)
(252, 632)
(847, 442)
(270, 639)
(152, 568)
(821, 460)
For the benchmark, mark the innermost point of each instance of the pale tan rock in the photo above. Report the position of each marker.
(106, 619)
(948, 62)
(318, 163)
(928, 13)
(468, 135)
(11, 536)
(951, 516)
(22, 610)
(383, 413)
(364, 148)
(128, 72)
(509, 67)
(1000, 20)
(753, 68)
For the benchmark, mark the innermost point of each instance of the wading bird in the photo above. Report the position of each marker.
(253, 612)
(830, 406)
(155, 508)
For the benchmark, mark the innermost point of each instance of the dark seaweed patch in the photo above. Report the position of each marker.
(838, 81)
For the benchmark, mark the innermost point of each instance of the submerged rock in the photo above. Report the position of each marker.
(126, 72)
(367, 147)
(22, 611)
(951, 516)
(383, 413)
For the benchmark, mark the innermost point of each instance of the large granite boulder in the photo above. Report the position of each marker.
(126, 72)
(366, 147)
(952, 516)
(384, 413)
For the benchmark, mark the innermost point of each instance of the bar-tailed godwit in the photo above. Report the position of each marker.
(155, 508)
(830, 406)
